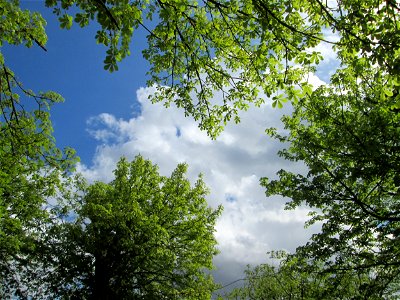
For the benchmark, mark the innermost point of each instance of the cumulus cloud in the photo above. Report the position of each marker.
(330, 62)
(232, 165)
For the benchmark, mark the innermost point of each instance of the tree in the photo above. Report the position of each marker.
(295, 278)
(347, 135)
(238, 50)
(267, 281)
(32, 168)
(142, 236)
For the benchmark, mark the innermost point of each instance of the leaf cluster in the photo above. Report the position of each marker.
(233, 50)
(347, 135)
(32, 168)
(142, 236)
(214, 58)
(295, 278)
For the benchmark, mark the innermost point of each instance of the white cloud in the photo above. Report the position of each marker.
(232, 165)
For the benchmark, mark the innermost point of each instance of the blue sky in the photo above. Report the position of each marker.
(106, 116)
(73, 67)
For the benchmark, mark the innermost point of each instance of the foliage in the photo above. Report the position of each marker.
(32, 167)
(142, 236)
(348, 135)
(214, 58)
(19, 26)
(296, 279)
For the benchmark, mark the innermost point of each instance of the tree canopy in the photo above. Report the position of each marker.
(348, 137)
(142, 236)
(294, 278)
(32, 168)
(215, 58)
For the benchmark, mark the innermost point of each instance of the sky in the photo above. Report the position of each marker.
(106, 116)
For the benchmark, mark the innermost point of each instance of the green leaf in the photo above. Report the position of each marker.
(65, 21)
(159, 220)
(388, 92)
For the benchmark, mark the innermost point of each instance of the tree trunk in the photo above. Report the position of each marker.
(101, 289)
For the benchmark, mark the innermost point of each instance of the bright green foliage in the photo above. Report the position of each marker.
(233, 49)
(31, 171)
(237, 50)
(142, 236)
(215, 58)
(31, 166)
(348, 136)
(295, 279)
(20, 26)
(346, 133)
